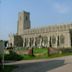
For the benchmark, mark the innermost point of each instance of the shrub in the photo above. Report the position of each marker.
(12, 56)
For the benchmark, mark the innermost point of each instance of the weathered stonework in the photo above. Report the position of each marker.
(56, 36)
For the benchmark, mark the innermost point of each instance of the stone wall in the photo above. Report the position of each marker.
(58, 39)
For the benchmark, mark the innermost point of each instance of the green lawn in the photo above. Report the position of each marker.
(60, 55)
(42, 53)
(40, 50)
(39, 53)
(29, 57)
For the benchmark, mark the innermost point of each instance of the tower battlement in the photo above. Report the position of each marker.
(23, 22)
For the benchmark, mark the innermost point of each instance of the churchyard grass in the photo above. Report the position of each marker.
(42, 53)
(39, 53)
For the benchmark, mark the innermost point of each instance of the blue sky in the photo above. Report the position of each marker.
(42, 13)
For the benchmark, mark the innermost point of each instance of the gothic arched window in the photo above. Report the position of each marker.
(62, 39)
(26, 41)
(53, 39)
(45, 39)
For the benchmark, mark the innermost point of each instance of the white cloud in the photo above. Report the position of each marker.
(61, 8)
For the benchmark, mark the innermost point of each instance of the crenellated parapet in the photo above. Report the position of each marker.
(48, 29)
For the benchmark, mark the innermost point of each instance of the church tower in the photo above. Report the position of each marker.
(23, 22)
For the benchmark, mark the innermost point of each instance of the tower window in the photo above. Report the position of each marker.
(26, 18)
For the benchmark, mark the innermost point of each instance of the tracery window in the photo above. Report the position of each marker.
(53, 39)
(26, 41)
(45, 39)
(62, 39)
(31, 41)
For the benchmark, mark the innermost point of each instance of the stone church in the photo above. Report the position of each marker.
(56, 36)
